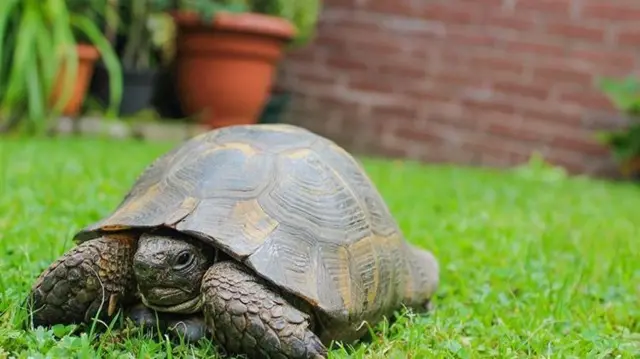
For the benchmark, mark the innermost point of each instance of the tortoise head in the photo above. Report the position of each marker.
(169, 268)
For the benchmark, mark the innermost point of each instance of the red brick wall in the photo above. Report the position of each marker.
(482, 82)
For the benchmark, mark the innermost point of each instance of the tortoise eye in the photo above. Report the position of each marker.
(184, 259)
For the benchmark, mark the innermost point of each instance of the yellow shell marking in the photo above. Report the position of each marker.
(186, 207)
(242, 147)
(298, 154)
(344, 276)
(257, 224)
(281, 128)
(359, 249)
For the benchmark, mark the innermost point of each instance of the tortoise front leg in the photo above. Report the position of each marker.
(247, 317)
(95, 277)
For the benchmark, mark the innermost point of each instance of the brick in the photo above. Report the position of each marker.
(547, 113)
(427, 96)
(582, 144)
(304, 55)
(516, 132)
(396, 7)
(629, 37)
(392, 112)
(545, 6)
(496, 146)
(495, 4)
(451, 57)
(366, 45)
(456, 79)
(587, 99)
(344, 63)
(333, 101)
(343, 23)
(313, 78)
(443, 115)
(610, 10)
(340, 3)
(535, 47)
(330, 43)
(421, 135)
(513, 89)
(370, 84)
(607, 58)
(546, 130)
(562, 74)
(413, 69)
(577, 32)
(469, 38)
(448, 13)
(501, 21)
(497, 63)
(489, 106)
(604, 120)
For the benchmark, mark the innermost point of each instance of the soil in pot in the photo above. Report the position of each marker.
(225, 70)
(87, 57)
(137, 89)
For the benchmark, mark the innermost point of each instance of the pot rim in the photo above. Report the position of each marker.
(248, 22)
(87, 51)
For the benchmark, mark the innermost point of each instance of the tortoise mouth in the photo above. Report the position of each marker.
(170, 300)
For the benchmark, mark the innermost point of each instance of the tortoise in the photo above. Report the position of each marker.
(270, 237)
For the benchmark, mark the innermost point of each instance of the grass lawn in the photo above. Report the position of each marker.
(533, 264)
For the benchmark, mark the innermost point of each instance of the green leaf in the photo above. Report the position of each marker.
(7, 8)
(109, 57)
(22, 54)
(625, 93)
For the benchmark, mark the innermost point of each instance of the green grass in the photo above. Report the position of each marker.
(534, 264)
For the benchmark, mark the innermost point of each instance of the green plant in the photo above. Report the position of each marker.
(37, 40)
(144, 24)
(624, 144)
(302, 13)
(625, 95)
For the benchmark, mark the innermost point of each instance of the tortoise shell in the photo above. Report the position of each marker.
(291, 205)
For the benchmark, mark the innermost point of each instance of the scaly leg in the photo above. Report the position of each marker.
(95, 277)
(247, 317)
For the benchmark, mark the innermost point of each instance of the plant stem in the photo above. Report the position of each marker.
(137, 33)
(112, 21)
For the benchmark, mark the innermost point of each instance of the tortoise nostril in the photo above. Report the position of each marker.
(142, 269)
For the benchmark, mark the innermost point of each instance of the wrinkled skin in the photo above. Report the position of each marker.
(169, 272)
(194, 291)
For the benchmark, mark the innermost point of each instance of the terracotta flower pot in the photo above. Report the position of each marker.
(87, 57)
(225, 68)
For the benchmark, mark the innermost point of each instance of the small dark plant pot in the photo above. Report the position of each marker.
(137, 89)
(276, 106)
